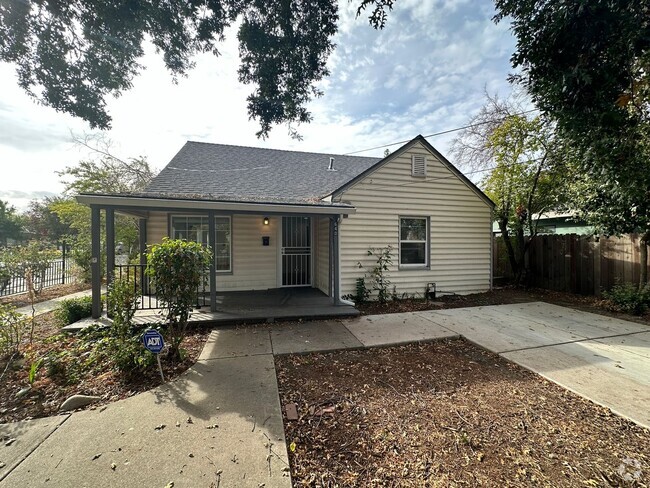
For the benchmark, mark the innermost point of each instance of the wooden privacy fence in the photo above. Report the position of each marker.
(579, 264)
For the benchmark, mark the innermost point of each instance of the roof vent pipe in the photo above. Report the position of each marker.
(331, 165)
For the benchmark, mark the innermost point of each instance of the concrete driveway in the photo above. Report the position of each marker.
(604, 359)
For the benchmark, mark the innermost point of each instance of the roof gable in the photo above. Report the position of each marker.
(444, 161)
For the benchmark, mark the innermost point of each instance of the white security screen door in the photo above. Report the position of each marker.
(296, 251)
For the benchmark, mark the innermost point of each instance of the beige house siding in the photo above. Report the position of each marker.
(460, 226)
(254, 265)
(157, 227)
(322, 254)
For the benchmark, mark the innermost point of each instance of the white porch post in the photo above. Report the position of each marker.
(212, 242)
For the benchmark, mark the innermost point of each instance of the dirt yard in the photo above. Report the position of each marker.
(448, 414)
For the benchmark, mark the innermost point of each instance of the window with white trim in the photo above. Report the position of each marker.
(413, 241)
(419, 165)
(195, 228)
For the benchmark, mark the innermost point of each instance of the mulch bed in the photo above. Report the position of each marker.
(448, 413)
(22, 299)
(48, 393)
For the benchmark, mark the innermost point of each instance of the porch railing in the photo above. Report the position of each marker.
(148, 300)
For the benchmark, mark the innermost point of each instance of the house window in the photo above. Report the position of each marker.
(223, 251)
(190, 228)
(413, 241)
(419, 165)
(195, 228)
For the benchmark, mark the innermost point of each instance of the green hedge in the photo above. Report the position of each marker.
(74, 309)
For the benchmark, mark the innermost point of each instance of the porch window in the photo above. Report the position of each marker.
(195, 228)
(413, 242)
(223, 242)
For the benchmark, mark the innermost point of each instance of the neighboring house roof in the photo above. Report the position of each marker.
(236, 173)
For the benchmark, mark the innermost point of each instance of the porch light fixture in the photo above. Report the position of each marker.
(266, 221)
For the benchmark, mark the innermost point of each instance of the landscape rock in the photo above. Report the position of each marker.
(78, 401)
(23, 391)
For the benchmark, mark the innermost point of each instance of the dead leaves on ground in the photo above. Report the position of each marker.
(448, 414)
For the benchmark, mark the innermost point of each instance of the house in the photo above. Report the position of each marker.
(559, 223)
(296, 219)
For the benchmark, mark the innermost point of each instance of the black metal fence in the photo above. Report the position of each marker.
(135, 273)
(58, 273)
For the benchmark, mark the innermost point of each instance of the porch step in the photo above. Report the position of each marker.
(261, 315)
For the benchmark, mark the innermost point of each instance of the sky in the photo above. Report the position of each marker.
(426, 72)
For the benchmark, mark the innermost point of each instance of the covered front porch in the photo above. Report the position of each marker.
(239, 307)
(270, 261)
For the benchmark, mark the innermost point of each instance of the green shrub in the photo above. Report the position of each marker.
(361, 291)
(379, 274)
(176, 268)
(73, 309)
(124, 339)
(12, 329)
(122, 302)
(628, 298)
(120, 347)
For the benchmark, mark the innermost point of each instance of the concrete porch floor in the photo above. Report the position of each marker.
(236, 307)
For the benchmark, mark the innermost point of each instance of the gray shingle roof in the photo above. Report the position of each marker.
(222, 172)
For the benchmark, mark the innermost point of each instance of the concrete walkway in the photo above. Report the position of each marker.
(219, 424)
(233, 386)
(50, 305)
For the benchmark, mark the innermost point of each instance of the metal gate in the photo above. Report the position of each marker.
(296, 251)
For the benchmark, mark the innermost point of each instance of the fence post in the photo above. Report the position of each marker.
(597, 264)
(63, 264)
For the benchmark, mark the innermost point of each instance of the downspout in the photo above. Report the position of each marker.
(491, 249)
(338, 299)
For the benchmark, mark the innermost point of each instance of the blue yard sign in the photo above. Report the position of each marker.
(153, 341)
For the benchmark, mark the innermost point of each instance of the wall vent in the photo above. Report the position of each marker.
(419, 165)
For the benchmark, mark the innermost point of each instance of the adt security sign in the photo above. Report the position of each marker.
(153, 341)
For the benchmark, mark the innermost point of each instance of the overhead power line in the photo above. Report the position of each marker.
(436, 134)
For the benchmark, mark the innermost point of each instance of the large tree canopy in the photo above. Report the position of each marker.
(586, 63)
(72, 54)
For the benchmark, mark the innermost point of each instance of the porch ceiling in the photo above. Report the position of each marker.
(138, 204)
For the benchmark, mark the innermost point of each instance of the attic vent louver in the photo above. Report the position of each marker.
(419, 165)
(331, 165)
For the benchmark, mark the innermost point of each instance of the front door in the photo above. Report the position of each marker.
(296, 251)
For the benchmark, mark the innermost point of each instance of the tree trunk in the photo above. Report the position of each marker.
(643, 257)
(503, 227)
(521, 251)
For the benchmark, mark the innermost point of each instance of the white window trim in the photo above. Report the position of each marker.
(427, 243)
(229, 217)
